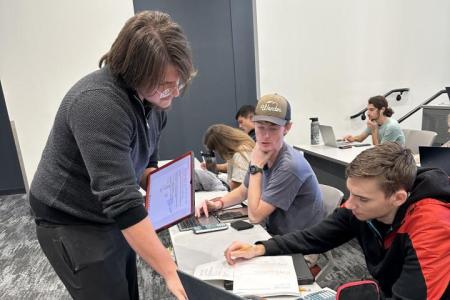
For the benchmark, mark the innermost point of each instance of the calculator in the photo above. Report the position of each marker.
(209, 228)
(323, 294)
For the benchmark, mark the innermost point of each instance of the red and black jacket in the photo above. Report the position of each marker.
(410, 259)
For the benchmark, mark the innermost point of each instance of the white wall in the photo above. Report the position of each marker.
(326, 57)
(45, 47)
(329, 57)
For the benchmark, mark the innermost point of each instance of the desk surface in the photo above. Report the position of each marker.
(192, 249)
(341, 156)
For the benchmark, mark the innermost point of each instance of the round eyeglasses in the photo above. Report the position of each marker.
(169, 91)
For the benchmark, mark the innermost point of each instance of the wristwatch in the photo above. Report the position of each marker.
(254, 169)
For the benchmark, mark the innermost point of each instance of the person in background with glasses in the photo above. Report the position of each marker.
(90, 218)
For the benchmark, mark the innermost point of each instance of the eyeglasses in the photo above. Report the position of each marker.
(169, 91)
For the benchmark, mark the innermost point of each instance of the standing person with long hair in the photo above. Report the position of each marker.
(234, 146)
(380, 125)
(89, 213)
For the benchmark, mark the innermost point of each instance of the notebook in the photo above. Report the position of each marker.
(435, 157)
(170, 194)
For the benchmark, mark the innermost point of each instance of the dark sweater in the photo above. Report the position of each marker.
(102, 140)
(410, 259)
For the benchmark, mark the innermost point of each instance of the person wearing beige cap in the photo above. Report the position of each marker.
(281, 188)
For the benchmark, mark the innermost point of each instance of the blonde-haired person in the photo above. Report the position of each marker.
(234, 146)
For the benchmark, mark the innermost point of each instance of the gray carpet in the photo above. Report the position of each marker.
(26, 273)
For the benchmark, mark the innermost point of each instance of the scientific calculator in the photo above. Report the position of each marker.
(323, 294)
(209, 228)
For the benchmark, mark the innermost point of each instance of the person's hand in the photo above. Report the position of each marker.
(176, 288)
(258, 157)
(349, 138)
(208, 205)
(203, 166)
(238, 250)
(373, 125)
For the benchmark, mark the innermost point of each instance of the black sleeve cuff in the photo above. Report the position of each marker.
(152, 164)
(131, 216)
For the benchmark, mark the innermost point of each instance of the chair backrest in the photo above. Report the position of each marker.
(406, 133)
(332, 198)
(416, 138)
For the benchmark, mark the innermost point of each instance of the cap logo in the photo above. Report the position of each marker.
(270, 106)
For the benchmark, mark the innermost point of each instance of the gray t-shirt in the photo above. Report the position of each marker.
(390, 131)
(292, 187)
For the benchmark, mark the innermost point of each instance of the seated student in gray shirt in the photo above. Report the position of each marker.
(280, 186)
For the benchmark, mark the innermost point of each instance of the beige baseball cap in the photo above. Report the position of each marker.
(273, 108)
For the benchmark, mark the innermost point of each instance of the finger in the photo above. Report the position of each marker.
(238, 254)
(197, 212)
(230, 261)
(233, 247)
(199, 209)
(205, 208)
(228, 251)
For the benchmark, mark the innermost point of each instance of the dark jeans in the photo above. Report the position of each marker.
(93, 262)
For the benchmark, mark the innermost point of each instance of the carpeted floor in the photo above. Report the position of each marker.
(26, 274)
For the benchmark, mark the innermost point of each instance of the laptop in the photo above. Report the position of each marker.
(170, 195)
(201, 290)
(435, 157)
(329, 139)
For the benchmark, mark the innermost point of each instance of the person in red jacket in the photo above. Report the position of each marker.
(400, 217)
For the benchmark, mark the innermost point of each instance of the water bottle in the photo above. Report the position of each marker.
(315, 134)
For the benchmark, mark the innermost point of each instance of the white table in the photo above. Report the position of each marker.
(329, 163)
(191, 250)
(340, 156)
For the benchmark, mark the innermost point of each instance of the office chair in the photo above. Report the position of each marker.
(416, 138)
(406, 133)
(332, 198)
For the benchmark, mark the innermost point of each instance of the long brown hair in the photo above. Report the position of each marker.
(146, 45)
(226, 140)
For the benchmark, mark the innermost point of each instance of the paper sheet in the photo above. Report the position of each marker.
(216, 270)
(262, 276)
(266, 276)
